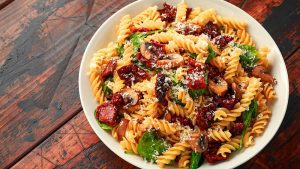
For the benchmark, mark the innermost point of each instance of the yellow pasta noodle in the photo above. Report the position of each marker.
(172, 153)
(124, 29)
(219, 135)
(269, 91)
(162, 125)
(184, 159)
(230, 22)
(232, 64)
(228, 147)
(244, 38)
(181, 12)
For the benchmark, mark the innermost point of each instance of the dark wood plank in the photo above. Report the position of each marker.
(4, 3)
(40, 57)
(281, 20)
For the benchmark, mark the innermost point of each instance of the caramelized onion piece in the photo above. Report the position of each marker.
(121, 128)
(260, 72)
(171, 61)
(218, 85)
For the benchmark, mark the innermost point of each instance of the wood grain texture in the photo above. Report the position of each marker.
(40, 58)
(74, 145)
(41, 46)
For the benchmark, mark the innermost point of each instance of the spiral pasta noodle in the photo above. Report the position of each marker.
(184, 159)
(151, 24)
(172, 153)
(232, 23)
(150, 13)
(262, 55)
(232, 64)
(181, 12)
(188, 44)
(96, 86)
(176, 109)
(204, 17)
(124, 29)
(129, 146)
(244, 38)
(162, 125)
(187, 100)
(219, 135)
(263, 117)
(195, 12)
(269, 91)
(228, 147)
(163, 37)
(108, 52)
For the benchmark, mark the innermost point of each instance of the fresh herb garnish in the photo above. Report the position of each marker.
(105, 88)
(120, 50)
(195, 93)
(102, 125)
(136, 40)
(150, 145)
(175, 98)
(174, 80)
(140, 64)
(143, 66)
(211, 54)
(248, 58)
(196, 160)
(247, 116)
(192, 55)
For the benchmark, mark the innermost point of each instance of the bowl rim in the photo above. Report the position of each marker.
(118, 151)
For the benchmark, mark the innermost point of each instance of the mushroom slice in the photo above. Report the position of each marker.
(130, 97)
(238, 93)
(260, 72)
(171, 61)
(218, 85)
(145, 50)
(198, 142)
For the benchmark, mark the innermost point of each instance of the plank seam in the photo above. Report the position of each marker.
(17, 159)
(291, 54)
(5, 4)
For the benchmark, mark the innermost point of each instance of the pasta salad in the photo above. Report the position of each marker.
(182, 85)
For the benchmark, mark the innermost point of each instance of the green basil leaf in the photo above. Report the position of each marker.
(249, 57)
(196, 160)
(106, 90)
(140, 64)
(102, 125)
(120, 50)
(150, 146)
(136, 40)
(192, 55)
(247, 116)
(196, 93)
(211, 54)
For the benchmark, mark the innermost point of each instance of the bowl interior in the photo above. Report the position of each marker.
(106, 34)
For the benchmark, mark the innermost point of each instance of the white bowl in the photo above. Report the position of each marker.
(106, 34)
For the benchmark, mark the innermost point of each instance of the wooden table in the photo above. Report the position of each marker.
(42, 124)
